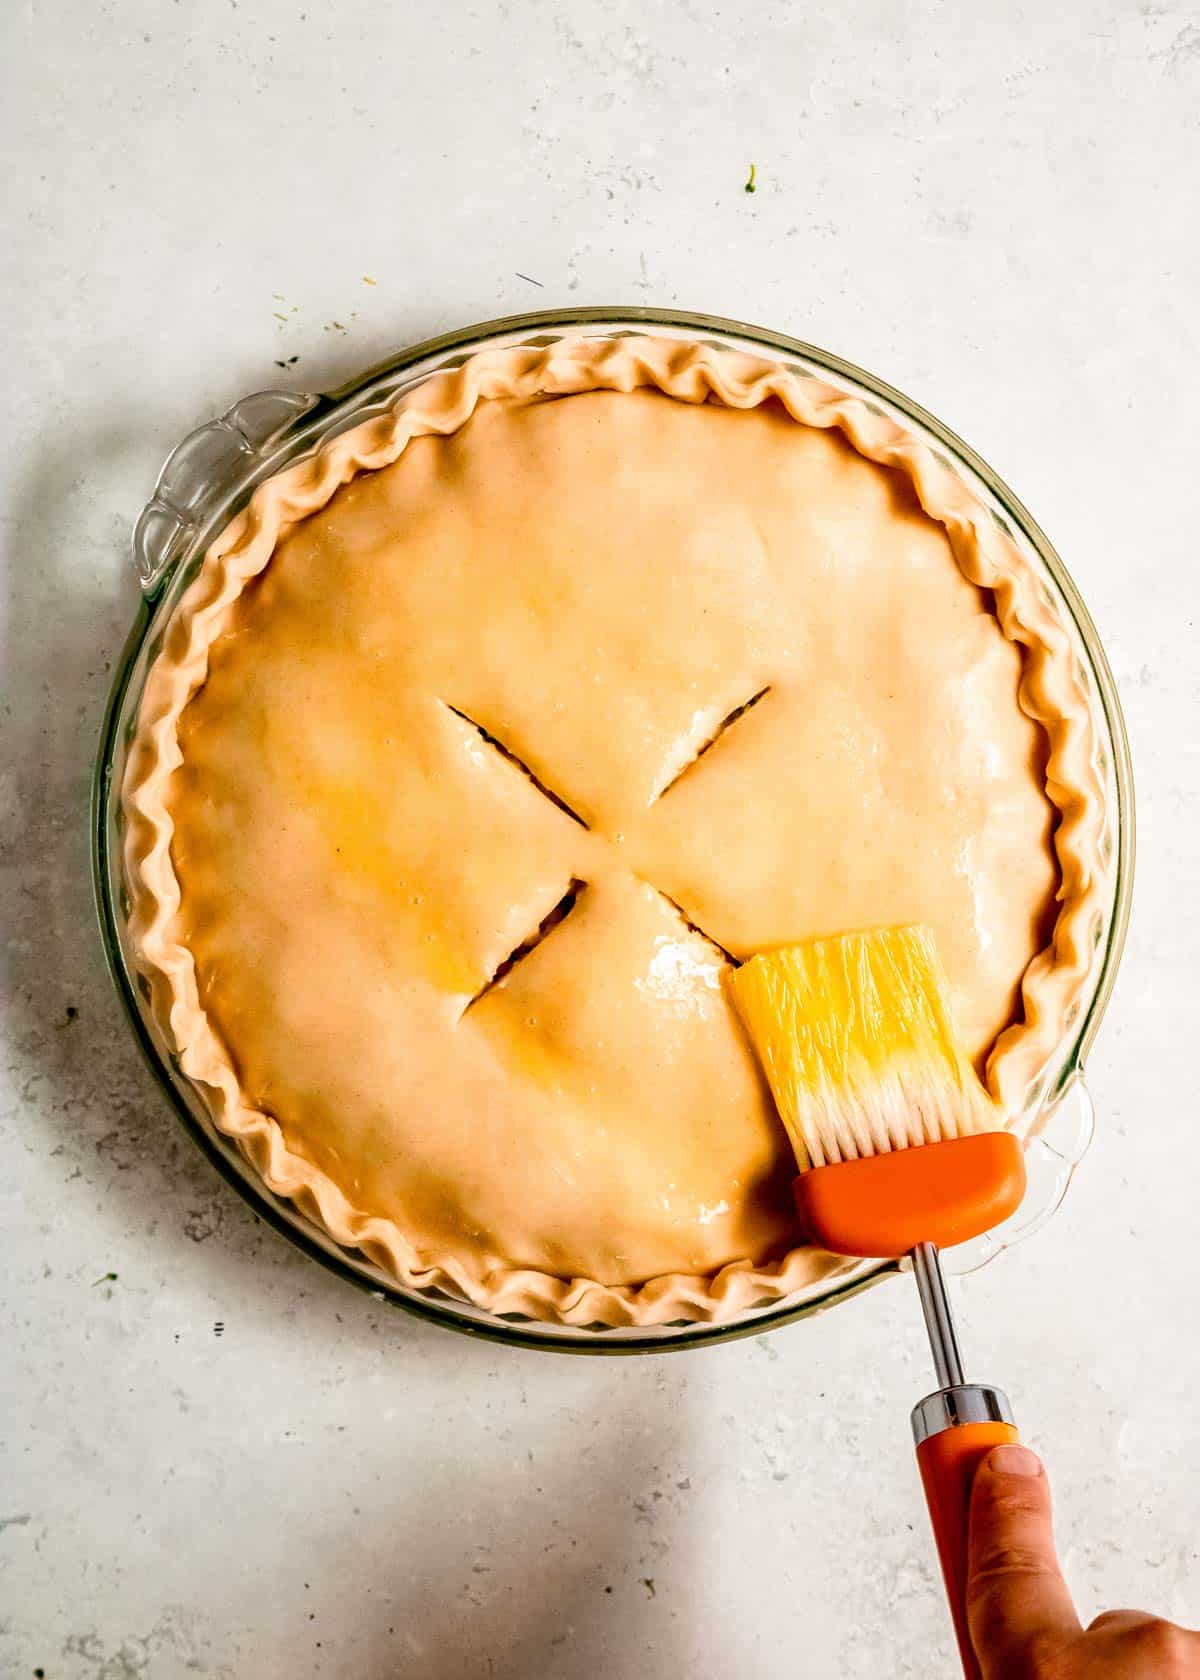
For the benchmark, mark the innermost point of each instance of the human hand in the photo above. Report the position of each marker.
(1023, 1623)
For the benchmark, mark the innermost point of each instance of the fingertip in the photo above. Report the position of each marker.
(1013, 1459)
(1011, 1485)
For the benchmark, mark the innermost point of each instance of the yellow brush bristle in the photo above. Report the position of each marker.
(858, 1045)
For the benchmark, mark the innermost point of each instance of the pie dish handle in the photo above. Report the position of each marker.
(1057, 1142)
(205, 472)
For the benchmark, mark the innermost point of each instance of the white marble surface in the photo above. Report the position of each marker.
(992, 206)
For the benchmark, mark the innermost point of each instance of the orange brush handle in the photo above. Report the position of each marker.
(948, 1463)
(882, 1206)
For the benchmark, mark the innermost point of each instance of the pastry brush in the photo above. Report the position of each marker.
(900, 1153)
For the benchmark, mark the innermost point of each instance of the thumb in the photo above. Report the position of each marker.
(1017, 1600)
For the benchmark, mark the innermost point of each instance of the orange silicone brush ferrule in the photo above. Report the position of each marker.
(882, 1206)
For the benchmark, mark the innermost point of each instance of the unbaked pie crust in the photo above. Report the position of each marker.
(486, 737)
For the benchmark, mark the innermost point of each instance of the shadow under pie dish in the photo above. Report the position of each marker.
(485, 739)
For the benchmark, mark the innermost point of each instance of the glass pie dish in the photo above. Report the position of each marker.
(210, 476)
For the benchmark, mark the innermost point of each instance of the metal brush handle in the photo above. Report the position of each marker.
(955, 1428)
(939, 1320)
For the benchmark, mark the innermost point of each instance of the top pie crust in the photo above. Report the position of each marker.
(478, 668)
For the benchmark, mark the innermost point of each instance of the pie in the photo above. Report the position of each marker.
(486, 739)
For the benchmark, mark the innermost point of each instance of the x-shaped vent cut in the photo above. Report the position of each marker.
(576, 888)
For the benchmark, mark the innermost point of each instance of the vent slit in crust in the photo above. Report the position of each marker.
(519, 763)
(694, 927)
(725, 723)
(551, 920)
